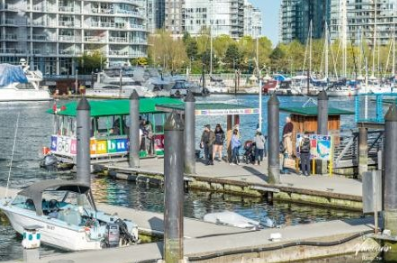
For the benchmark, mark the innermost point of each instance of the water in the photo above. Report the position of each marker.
(35, 127)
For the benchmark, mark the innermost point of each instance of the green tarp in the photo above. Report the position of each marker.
(116, 107)
(312, 111)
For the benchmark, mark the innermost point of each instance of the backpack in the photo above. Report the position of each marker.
(305, 147)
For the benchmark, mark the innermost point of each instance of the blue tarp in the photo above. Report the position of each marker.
(10, 74)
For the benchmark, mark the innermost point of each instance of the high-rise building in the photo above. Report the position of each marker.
(297, 17)
(360, 19)
(173, 16)
(252, 20)
(52, 33)
(224, 17)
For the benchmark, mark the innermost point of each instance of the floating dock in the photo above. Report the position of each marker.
(206, 242)
(325, 190)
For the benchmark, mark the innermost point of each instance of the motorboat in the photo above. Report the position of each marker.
(216, 85)
(181, 87)
(234, 219)
(65, 214)
(18, 83)
(117, 83)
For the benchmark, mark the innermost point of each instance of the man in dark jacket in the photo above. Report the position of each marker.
(207, 141)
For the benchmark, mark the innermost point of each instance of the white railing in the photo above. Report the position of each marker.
(10, 37)
(66, 38)
(66, 23)
(66, 9)
(118, 39)
(94, 39)
(118, 53)
(15, 51)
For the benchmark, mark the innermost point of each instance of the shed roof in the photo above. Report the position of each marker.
(312, 111)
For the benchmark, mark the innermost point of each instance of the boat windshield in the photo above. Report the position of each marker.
(25, 86)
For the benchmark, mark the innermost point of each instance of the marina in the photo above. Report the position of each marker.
(243, 182)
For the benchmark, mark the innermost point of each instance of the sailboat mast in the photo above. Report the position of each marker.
(310, 48)
(326, 51)
(344, 36)
(394, 53)
(374, 44)
(211, 44)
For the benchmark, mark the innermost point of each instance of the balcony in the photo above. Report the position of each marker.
(121, 53)
(66, 38)
(38, 37)
(10, 7)
(9, 21)
(66, 23)
(10, 37)
(94, 39)
(67, 52)
(69, 9)
(118, 40)
(15, 51)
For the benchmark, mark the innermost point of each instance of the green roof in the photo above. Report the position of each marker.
(312, 111)
(208, 106)
(116, 107)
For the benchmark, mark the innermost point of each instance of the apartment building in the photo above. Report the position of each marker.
(360, 19)
(296, 17)
(50, 34)
(223, 17)
(252, 20)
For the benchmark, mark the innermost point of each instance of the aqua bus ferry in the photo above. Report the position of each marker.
(104, 146)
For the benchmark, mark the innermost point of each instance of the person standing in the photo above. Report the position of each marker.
(236, 144)
(149, 138)
(207, 142)
(304, 150)
(287, 136)
(259, 141)
(219, 140)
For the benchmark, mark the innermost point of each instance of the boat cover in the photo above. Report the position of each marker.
(35, 191)
(10, 74)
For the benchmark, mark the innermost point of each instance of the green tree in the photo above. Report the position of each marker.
(141, 61)
(90, 62)
(233, 57)
(191, 49)
(277, 59)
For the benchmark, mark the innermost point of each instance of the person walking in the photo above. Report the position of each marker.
(149, 144)
(207, 142)
(259, 141)
(287, 136)
(236, 144)
(304, 150)
(219, 140)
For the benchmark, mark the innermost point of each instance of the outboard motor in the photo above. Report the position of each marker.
(112, 234)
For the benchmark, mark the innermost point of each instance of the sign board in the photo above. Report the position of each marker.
(224, 112)
(68, 145)
(320, 146)
(372, 191)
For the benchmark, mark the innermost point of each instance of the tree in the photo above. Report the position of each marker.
(191, 49)
(233, 56)
(142, 61)
(90, 62)
(277, 58)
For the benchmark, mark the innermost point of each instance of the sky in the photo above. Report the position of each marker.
(270, 9)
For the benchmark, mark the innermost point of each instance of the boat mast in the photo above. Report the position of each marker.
(394, 53)
(259, 83)
(374, 43)
(326, 52)
(310, 48)
(211, 44)
(344, 36)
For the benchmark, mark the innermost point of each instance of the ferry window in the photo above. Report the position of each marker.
(103, 125)
(158, 122)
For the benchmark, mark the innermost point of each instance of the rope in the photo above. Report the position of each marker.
(12, 154)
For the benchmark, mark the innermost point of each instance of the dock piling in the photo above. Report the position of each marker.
(390, 179)
(83, 162)
(362, 151)
(322, 125)
(133, 159)
(190, 136)
(273, 106)
(174, 190)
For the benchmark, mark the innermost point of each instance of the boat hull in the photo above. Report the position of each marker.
(11, 95)
(52, 234)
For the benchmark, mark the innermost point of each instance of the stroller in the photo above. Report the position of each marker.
(249, 152)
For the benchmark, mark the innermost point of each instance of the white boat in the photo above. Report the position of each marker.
(233, 219)
(117, 83)
(21, 84)
(66, 216)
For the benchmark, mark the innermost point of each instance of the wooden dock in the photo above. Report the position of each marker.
(206, 242)
(325, 190)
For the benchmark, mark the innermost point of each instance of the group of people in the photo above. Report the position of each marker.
(287, 152)
(212, 142)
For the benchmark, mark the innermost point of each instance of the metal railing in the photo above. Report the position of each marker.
(371, 108)
(346, 152)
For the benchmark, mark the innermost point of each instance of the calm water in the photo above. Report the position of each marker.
(33, 133)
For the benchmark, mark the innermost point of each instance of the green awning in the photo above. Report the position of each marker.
(312, 111)
(115, 107)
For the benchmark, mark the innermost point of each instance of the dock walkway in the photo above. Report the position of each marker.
(334, 190)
